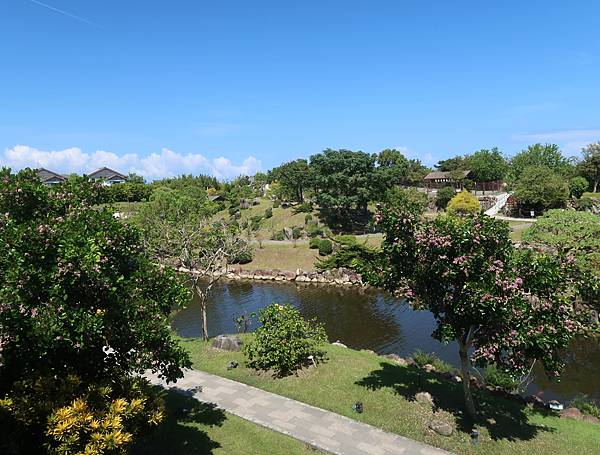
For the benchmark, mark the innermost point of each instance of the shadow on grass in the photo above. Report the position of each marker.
(503, 418)
(179, 433)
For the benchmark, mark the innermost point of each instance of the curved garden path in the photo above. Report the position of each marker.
(321, 429)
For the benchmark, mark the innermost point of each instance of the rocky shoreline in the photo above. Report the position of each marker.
(338, 277)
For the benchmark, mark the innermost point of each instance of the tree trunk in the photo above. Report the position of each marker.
(466, 379)
(595, 185)
(202, 297)
(204, 321)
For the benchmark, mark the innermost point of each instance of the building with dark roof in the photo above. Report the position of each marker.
(108, 176)
(48, 177)
(438, 179)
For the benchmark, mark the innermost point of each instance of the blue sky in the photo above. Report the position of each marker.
(226, 87)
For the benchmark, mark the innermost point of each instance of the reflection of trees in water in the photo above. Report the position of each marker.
(357, 317)
(581, 371)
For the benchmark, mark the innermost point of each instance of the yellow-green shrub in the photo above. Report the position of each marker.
(75, 419)
(463, 203)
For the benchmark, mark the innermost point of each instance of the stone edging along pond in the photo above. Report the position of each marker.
(340, 277)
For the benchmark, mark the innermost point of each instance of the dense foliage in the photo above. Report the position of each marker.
(294, 177)
(501, 306)
(463, 203)
(569, 232)
(178, 228)
(443, 197)
(589, 166)
(402, 197)
(577, 186)
(539, 188)
(79, 298)
(285, 342)
(486, 165)
(343, 179)
(547, 155)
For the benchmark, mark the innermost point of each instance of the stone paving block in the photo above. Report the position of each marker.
(322, 429)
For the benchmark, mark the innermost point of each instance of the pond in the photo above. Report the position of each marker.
(371, 319)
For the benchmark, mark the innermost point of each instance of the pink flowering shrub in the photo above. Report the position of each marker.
(78, 295)
(504, 307)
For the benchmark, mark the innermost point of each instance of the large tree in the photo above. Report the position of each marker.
(589, 166)
(294, 177)
(343, 179)
(539, 188)
(487, 165)
(501, 306)
(179, 229)
(394, 169)
(82, 308)
(548, 155)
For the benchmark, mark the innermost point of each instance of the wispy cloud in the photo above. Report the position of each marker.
(63, 12)
(166, 163)
(427, 158)
(571, 141)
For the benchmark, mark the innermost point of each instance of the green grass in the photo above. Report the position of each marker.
(283, 256)
(517, 228)
(191, 427)
(592, 195)
(387, 392)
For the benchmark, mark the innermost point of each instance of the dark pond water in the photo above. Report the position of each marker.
(371, 319)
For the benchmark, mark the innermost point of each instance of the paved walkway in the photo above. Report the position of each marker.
(322, 429)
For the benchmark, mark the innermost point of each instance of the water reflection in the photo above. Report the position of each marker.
(369, 319)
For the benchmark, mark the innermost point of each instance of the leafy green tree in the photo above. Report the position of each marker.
(132, 177)
(294, 177)
(443, 196)
(487, 166)
(178, 229)
(577, 186)
(540, 188)
(457, 163)
(589, 166)
(405, 197)
(463, 203)
(183, 182)
(394, 169)
(343, 180)
(80, 303)
(548, 155)
(501, 306)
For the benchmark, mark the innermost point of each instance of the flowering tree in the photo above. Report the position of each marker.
(502, 307)
(81, 306)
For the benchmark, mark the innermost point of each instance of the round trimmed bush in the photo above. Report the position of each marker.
(285, 341)
(268, 212)
(314, 243)
(296, 232)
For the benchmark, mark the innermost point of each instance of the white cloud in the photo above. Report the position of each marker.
(571, 141)
(167, 163)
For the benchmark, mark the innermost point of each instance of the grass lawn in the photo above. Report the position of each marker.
(517, 228)
(283, 256)
(191, 427)
(592, 195)
(387, 390)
